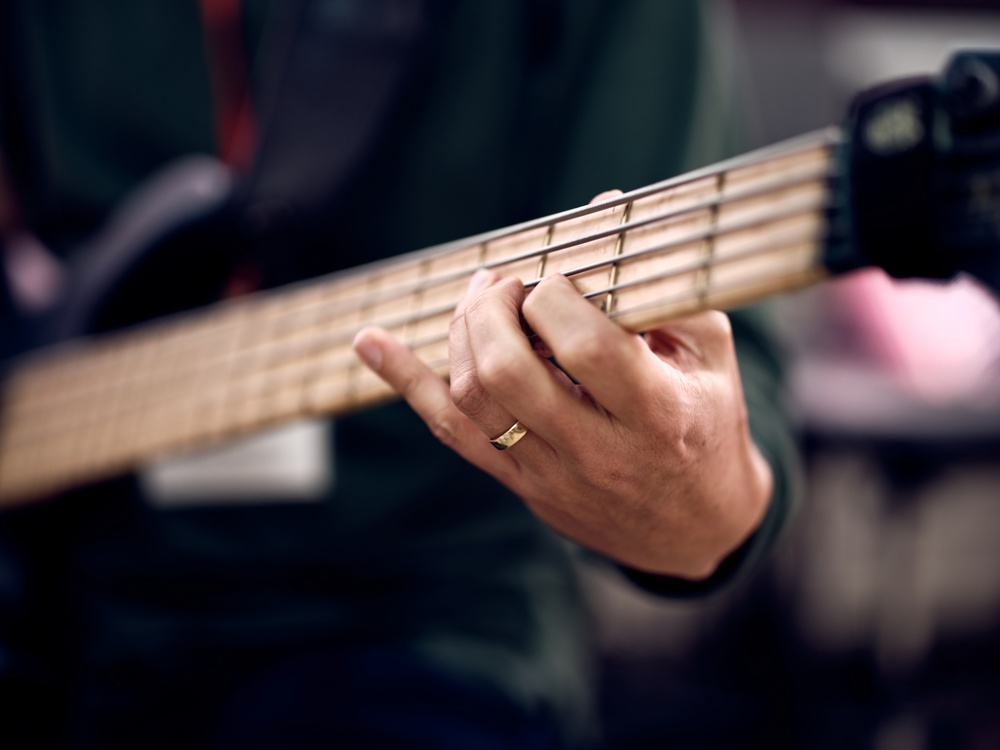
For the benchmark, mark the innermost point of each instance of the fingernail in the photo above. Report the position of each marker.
(368, 352)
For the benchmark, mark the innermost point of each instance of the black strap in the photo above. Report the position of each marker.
(333, 73)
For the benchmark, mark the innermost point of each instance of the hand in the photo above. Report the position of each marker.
(646, 458)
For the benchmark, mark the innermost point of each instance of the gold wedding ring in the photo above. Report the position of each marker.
(515, 433)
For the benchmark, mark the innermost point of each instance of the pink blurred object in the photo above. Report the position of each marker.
(941, 342)
(900, 360)
(35, 276)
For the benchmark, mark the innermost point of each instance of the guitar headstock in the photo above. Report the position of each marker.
(922, 168)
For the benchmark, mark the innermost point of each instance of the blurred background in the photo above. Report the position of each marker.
(877, 623)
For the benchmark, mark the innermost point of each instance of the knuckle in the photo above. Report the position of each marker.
(468, 395)
(497, 298)
(475, 308)
(408, 382)
(511, 287)
(443, 425)
(498, 372)
(609, 472)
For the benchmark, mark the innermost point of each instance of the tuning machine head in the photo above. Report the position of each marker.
(922, 165)
(971, 85)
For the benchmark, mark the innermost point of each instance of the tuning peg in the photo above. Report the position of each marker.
(972, 88)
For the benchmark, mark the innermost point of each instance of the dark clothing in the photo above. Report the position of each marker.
(182, 617)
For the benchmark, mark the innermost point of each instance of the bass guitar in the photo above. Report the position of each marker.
(911, 184)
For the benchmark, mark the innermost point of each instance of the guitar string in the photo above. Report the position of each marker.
(823, 139)
(97, 461)
(90, 465)
(338, 307)
(329, 312)
(692, 293)
(345, 334)
(321, 314)
(152, 401)
(308, 365)
(773, 188)
(326, 338)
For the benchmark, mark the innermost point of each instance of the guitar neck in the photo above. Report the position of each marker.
(717, 238)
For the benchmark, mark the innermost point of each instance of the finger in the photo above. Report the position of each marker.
(521, 385)
(467, 391)
(606, 196)
(615, 366)
(429, 396)
(538, 343)
(700, 341)
(462, 367)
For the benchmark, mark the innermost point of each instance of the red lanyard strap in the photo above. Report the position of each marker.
(235, 127)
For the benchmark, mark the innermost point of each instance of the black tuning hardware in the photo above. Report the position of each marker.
(922, 175)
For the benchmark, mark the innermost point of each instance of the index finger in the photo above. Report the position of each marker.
(615, 366)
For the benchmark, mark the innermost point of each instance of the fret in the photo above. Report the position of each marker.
(703, 279)
(784, 271)
(293, 339)
(183, 367)
(304, 350)
(433, 351)
(606, 223)
(326, 386)
(547, 242)
(718, 238)
(330, 387)
(447, 279)
(172, 428)
(42, 409)
(282, 384)
(98, 445)
(44, 387)
(341, 301)
(788, 258)
(353, 368)
(241, 370)
(393, 301)
(414, 305)
(504, 253)
(392, 296)
(806, 196)
(730, 246)
(644, 241)
(333, 368)
(607, 305)
(778, 169)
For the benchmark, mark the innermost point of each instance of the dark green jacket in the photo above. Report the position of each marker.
(520, 109)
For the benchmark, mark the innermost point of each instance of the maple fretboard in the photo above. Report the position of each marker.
(717, 238)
